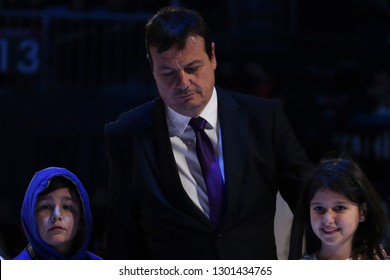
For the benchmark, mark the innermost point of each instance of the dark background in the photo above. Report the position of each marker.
(69, 67)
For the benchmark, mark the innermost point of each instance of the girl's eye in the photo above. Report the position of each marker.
(318, 209)
(67, 207)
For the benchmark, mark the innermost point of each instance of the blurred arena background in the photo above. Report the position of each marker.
(69, 67)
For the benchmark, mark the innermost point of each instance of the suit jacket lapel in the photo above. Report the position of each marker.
(159, 150)
(234, 129)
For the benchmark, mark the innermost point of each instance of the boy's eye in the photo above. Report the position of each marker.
(67, 207)
(340, 208)
(44, 207)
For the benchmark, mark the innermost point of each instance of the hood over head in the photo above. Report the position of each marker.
(38, 184)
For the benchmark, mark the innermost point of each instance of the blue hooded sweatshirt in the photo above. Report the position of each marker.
(37, 248)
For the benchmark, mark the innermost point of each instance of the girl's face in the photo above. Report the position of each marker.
(58, 218)
(334, 218)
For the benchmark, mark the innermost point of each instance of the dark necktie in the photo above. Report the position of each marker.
(210, 169)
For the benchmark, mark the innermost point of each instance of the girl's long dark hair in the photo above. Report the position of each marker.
(345, 177)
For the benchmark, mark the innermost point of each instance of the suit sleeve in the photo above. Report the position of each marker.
(123, 238)
(292, 160)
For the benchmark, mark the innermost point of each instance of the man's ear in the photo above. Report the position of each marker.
(213, 58)
(363, 212)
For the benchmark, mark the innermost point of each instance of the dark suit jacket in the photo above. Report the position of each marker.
(152, 217)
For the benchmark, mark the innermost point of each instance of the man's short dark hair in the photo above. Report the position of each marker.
(173, 26)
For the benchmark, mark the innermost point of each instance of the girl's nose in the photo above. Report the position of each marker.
(328, 217)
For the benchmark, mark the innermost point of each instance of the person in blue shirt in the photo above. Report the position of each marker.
(56, 217)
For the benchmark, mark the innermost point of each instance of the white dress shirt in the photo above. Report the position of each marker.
(183, 142)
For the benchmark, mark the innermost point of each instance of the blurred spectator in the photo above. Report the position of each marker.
(152, 6)
(379, 91)
(258, 80)
(121, 5)
(80, 5)
(23, 4)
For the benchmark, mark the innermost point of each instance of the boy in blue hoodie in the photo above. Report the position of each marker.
(56, 217)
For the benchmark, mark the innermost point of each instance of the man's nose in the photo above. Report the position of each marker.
(183, 80)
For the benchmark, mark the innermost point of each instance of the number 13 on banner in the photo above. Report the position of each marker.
(21, 55)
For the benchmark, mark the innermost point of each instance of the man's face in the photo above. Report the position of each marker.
(185, 78)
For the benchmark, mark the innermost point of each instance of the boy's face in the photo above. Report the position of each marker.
(58, 218)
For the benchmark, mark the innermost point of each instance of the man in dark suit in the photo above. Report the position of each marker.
(159, 203)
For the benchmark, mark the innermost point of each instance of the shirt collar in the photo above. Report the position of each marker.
(178, 122)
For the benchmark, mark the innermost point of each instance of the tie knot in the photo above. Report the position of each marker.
(198, 123)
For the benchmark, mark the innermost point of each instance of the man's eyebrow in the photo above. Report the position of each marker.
(164, 67)
(192, 63)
